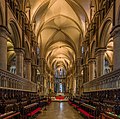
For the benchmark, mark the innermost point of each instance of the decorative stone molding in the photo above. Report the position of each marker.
(27, 60)
(115, 31)
(100, 50)
(20, 50)
(19, 82)
(4, 32)
(85, 65)
(90, 60)
(105, 82)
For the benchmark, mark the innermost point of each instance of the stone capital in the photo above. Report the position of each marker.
(19, 50)
(4, 32)
(34, 66)
(42, 59)
(115, 31)
(90, 60)
(85, 65)
(100, 50)
(27, 60)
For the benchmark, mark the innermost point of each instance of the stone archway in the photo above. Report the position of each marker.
(15, 50)
(15, 34)
(104, 54)
(12, 43)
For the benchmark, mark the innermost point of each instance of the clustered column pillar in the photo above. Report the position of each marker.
(3, 48)
(19, 61)
(85, 73)
(91, 69)
(34, 73)
(42, 84)
(78, 68)
(28, 69)
(100, 58)
(81, 83)
(52, 83)
(42, 73)
(116, 55)
(67, 84)
(70, 84)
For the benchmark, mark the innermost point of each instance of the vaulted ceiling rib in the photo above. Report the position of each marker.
(59, 24)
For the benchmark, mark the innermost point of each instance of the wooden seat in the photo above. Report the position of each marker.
(11, 116)
(86, 113)
(6, 114)
(70, 102)
(29, 108)
(33, 112)
(74, 105)
(30, 105)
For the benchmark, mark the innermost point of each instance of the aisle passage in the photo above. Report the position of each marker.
(60, 110)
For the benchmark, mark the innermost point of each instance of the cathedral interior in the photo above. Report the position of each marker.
(63, 51)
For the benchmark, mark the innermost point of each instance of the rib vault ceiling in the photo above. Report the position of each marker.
(60, 28)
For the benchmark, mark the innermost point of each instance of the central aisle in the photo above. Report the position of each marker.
(59, 110)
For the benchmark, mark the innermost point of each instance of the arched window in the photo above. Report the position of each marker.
(107, 68)
(13, 66)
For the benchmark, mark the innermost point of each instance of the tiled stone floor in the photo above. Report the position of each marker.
(59, 110)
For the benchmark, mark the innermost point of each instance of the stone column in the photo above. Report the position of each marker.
(70, 84)
(42, 84)
(19, 61)
(28, 69)
(49, 81)
(100, 58)
(81, 83)
(45, 86)
(52, 83)
(33, 73)
(85, 73)
(67, 84)
(78, 67)
(91, 69)
(3, 48)
(74, 86)
(77, 85)
(42, 70)
(116, 39)
(42, 64)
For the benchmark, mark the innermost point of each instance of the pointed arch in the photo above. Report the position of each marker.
(15, 34)
(27, 50)
(26, 4)
(13, 41)
(92, 50)
(106, 42)
(105, 33)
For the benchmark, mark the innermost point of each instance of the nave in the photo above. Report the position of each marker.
(59, 110)
(60, 49)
